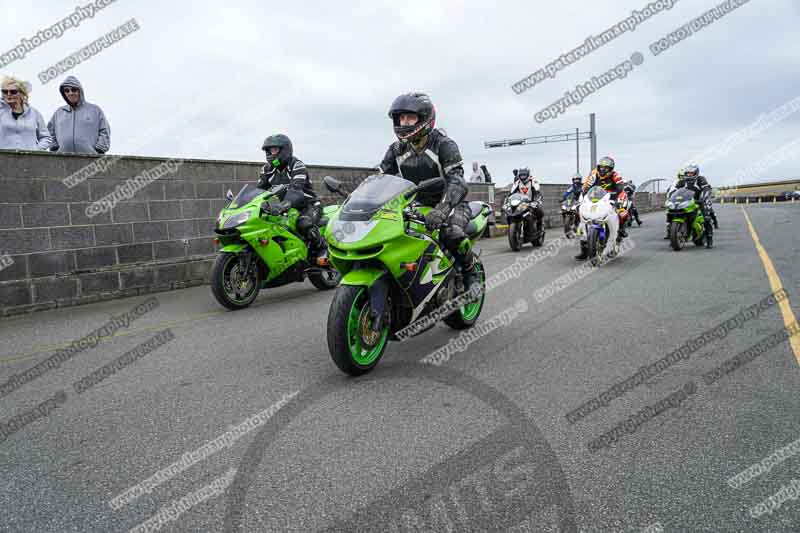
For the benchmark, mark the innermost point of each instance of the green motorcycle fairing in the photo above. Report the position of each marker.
(682, 207)
(370, 238)
(242, 225)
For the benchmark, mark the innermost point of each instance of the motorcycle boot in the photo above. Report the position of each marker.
(584, 252)
(709, 234)
(317, 247)
(467, 261)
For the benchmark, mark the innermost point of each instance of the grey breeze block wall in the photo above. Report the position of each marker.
(158, 240)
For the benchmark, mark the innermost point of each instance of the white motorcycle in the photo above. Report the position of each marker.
(599, 225)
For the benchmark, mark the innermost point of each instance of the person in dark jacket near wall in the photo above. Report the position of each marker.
(423, 152)
(283, 168)
(79, 127)
(486, 173)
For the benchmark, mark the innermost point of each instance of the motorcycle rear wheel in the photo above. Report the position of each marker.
(467, 315)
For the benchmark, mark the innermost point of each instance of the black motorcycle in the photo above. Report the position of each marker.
(569, 216)
(519, 211)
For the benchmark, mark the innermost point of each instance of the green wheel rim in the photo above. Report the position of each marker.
(361, 354)
(471, 310)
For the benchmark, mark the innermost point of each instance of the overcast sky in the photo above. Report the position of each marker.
(211, 80)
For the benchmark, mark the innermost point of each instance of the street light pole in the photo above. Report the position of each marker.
(593, 133)
(578, 136)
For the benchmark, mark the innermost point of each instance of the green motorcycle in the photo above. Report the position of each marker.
(394, 271)
(261, 248)
(685, 219)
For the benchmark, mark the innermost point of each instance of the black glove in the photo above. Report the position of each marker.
(272, 207)
(435, 219)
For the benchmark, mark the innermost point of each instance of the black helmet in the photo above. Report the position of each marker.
(524, 174)
(691, 171)
(577, 180)
(283, 142)
(605, 165)
(418, 103)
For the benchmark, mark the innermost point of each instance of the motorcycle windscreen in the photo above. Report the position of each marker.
(246, 196)
(517, 196)
(682, 195)
(596, 193)
(371, 195)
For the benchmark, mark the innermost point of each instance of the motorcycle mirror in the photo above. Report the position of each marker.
(333, 185)
(229, 194)
(426, 185)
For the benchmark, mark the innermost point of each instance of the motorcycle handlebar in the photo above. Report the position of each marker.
(413, 215)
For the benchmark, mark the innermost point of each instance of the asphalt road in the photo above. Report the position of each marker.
(478, 443)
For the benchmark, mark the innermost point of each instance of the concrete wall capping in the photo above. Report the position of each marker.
(158, 240)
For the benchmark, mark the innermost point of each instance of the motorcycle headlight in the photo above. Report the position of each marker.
(514, 203)
(237, 220)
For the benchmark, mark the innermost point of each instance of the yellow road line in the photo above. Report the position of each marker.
(775, 283)
(156, 327)
(159, 326)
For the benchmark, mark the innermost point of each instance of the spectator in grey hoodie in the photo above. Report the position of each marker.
(78, 127)
(21, 126)
(477, 174)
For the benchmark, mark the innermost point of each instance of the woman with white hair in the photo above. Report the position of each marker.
(21, 126)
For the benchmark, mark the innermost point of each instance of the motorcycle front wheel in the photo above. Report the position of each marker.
(594, 246)
(677, 235)
(353, 346)
(514, 236)
(568, 225)
(232, 287)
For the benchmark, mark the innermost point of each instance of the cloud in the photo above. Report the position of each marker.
(211, 81)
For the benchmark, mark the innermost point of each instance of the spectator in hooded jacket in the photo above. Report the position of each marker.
(78, 127)
(21, 126)
(477, 174)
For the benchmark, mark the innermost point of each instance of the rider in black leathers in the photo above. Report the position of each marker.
(693, 181)
(283, 168)
(630, 189)
(423, 152)
(528, 186)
